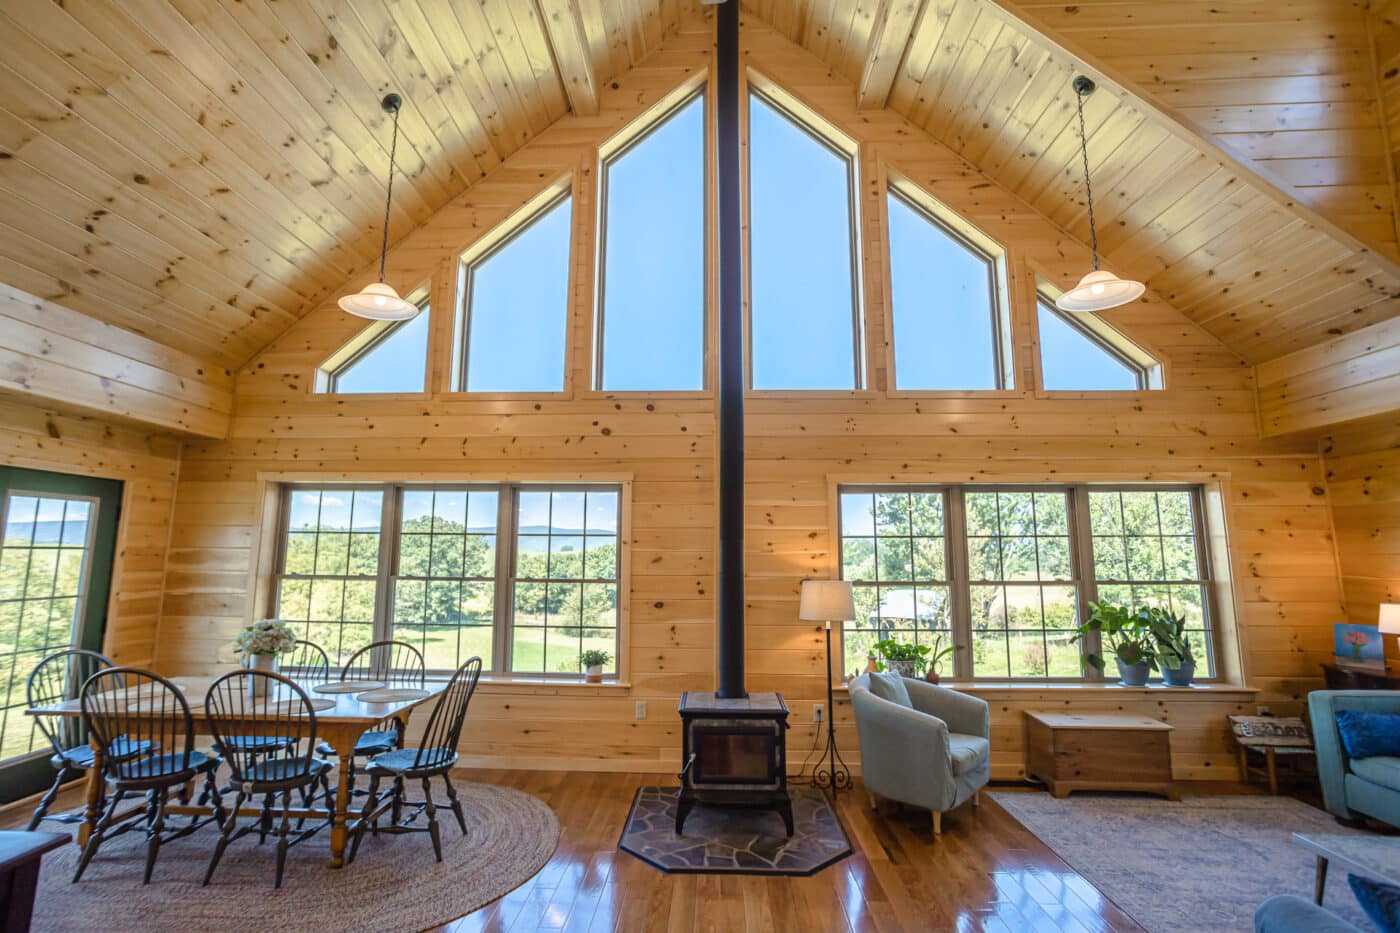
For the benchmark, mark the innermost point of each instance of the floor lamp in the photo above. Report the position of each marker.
(828, 601)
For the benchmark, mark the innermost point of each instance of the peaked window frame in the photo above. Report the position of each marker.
(970, 237)
(810, 123)
(610, 153)
(1146, 368)
(365, 342)
(498, 239)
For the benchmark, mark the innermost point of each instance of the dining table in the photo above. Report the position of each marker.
(338, 724)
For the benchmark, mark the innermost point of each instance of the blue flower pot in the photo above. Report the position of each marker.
(1178, 676)
(1133, 675)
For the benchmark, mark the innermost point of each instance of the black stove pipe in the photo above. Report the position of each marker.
(730, 598)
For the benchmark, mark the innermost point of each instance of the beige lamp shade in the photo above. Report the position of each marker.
(826, 601)
(1390, 618)
(379, 302)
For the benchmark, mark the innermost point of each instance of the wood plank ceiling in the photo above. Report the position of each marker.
(204, 171)
(1224, 245)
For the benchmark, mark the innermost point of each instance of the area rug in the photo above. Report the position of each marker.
(733, 841)
(393, 885)
(1203, 863)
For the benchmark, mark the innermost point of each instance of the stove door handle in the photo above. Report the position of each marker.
(689, 763)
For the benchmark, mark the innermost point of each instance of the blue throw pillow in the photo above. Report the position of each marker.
(1365, 735)
(890, 686)
(1380, 901)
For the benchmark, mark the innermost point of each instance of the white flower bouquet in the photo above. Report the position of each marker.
(270, 636)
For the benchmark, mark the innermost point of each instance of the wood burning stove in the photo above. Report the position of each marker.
(734, 753)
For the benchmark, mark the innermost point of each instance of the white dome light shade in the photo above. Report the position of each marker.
(379, 302)
(1099, 291)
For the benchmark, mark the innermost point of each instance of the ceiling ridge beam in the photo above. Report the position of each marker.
(895, 23)
(1142, 97)
(568, 43)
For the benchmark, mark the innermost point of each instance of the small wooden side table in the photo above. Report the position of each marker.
(1273, 737)
(1099, 751)
(20, 853)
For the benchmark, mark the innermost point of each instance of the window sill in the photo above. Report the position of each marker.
(544, 686)
(1215, 690)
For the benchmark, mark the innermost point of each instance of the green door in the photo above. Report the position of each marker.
(59, 540)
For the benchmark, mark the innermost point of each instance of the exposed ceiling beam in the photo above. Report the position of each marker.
(563, 26)
(894, 25)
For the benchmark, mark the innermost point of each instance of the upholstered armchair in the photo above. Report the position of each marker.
(1353, 788)
(921, 744)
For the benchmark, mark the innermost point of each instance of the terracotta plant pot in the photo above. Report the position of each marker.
(932, 676)
(593, 675)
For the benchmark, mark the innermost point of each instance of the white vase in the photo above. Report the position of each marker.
(258, 686)
(593, 674)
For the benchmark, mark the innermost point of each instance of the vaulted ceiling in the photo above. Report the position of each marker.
(204, 171)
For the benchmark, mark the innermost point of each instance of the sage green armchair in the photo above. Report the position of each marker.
(934, 752)
(1353, 788)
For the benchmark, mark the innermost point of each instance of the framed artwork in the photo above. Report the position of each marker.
(1358, 646)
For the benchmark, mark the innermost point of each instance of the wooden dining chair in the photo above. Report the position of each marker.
(306, 661)
(57, 679)
(394, 664)
(434, 757)
(125, 706)
(259, 703)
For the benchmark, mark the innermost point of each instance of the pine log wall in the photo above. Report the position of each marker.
(148, 465)
(1363, 481)
(1204, 427)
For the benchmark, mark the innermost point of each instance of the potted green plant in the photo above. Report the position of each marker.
(908, 660)
(936, 655)
(1173, 652)
(592, 662)
(261, 643)
(1128, 635)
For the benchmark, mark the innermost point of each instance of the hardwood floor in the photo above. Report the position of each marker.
(985, 873)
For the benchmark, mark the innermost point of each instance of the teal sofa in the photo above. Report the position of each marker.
(1288, 913)
(1354, 788)
(934, 753)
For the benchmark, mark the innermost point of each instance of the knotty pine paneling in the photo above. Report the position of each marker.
(1363, 480)
(148, 466)
(1202, 428)
(1352, 377)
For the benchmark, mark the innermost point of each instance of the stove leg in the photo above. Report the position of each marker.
(683, 806)
(785, 811)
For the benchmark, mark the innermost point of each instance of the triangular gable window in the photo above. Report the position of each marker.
(385, 357)
(1083, 353)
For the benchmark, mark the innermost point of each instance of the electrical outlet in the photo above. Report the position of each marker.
(817, 712)
(641, 709)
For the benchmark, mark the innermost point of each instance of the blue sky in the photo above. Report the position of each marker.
(397, 364)
(802, 328)
(519, 309)
(654, 259)
(1071, 361)
(941, 296)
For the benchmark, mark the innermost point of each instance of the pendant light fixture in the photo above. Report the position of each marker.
(1099, 290)
(378, 301)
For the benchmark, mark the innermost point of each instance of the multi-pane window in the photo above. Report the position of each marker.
(1007, 573)
(565, 578)
(385, 357)
(804, 326)
(651, 269)
(893, 549)
(523, 576)
(329, 567)
(44, 558)
(1148, 552)
(945, 304)
(516, 300)
(445, 587)
(1080, 352)
(1021, 584)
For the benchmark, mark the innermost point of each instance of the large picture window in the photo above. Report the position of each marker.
(523, 576)
(804, 327)
(651, 262)
(1007, 573)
